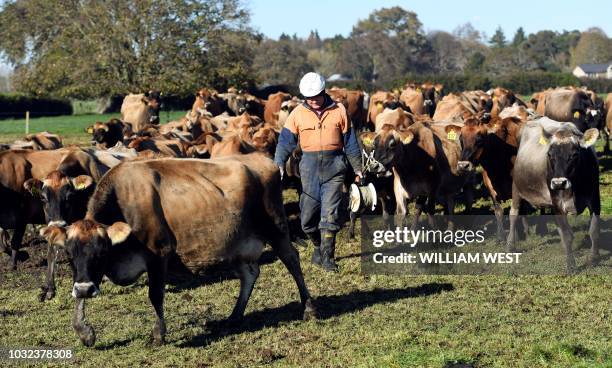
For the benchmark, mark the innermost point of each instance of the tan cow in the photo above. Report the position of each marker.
(353, 101)
(140, 110)
(377, 105)
(273, 107)
(199, 212)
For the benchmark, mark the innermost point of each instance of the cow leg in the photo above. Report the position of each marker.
(387, 204)
(514, 212)
(449, 211)
(16, 244)
(156, 273)
(248, 273)
(606, 137)
(541, 227)
(431, 209)
(565, 232)
(420, 203)
(291, 259)
(48, 290)
(351, 229)
(499, 219)
(524, 222)
(594, 235)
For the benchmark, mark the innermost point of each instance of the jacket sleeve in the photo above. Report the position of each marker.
(353, 150)
(287, 142)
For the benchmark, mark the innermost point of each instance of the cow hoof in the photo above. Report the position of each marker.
(88, 336)
(310, 313)
(46, 294)
(157, 340)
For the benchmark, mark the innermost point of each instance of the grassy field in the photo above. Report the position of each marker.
(364, 321)
(71, 128)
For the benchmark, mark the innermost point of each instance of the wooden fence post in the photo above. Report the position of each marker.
(27, 123)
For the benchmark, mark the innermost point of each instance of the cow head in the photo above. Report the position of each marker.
(64, 198)
(107, 134)
(429, 98)
(153, 101)
(387, 147)
(87, 244)
(565, 156)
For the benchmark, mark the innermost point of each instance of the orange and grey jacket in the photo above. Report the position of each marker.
(327, 130)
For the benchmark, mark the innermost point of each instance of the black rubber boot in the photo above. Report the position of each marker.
(315, 238)
(328, 248)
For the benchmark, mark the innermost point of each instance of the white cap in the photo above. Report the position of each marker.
(312, 84)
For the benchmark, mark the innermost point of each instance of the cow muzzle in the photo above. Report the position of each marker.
(85, 290)
(465, 166)
(560, 184)
(427, 103)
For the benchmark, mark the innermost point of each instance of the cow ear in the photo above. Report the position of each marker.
(33, 186)
(589, 138)
(54, 235)
(452, 132)
(81, 182)
(118, 232)
(408, 137)
(438, 87)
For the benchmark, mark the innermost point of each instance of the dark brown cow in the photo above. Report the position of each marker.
(424, 163)
(66, 191)
(502, 98)
(19, 208)
(108, 134)
(225, 211)
(493, 146)
(455, 106)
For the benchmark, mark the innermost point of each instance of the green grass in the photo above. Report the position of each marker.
(365, 321)
(71, 128)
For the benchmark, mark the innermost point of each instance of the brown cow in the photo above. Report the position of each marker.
(501, 99)
(108, 134)
(140, 110)
(353, 101)
(273, 107)
(208, 101)
(160, 146)
(286, 108)
(424, 165)
(493, 146)
(37, 142)
(224, 213)
(399, 118)
(19, 207)
(569, 104)
(65, 192)
(422, 100)
(377, 105)
(455, 106)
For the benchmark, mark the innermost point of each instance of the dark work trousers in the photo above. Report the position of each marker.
(322, 175)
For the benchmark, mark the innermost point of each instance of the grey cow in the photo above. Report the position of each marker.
(556, 167)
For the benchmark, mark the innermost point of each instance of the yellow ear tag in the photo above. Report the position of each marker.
(452, 135)
(418, 89)
(408, 139)
(577, 114)
(543, 141)
(494, 98)
(80, 186)
(367, 142)
(379, 106)
(494, 126)
(90, 130)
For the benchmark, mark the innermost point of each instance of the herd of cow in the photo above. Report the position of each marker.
(203, 190)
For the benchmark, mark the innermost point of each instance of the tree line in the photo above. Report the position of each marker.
(89, 49)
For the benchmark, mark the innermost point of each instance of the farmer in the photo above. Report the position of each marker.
(326, 140)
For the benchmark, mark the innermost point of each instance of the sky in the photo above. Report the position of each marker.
(332, 17)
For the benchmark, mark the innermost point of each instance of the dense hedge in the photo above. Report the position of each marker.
(15, 106)
(521, 83)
